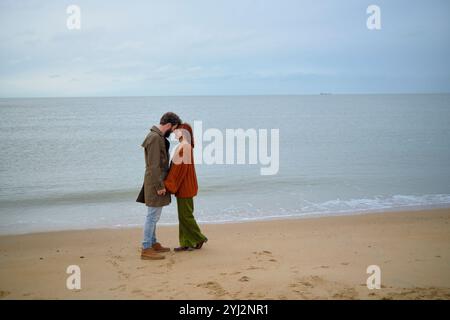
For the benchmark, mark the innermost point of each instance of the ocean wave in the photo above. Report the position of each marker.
(376, 203)
(126, 214)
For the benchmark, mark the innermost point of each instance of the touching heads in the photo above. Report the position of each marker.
(168, 123)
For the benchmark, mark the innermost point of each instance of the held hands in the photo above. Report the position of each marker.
(161, 192)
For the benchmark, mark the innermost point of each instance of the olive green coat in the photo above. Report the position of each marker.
(156, 168)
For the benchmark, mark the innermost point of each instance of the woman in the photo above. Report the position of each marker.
(182, 181)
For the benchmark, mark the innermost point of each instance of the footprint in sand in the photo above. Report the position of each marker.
(315, 287)
(346, 294)
(306, 284)
(214, 288)
(301, 284)
(322, 267)
(170, 263)
(112, 262)
(120, 288)
(419, 294)
(264, 254)
(244, 279)
(116, 265)
(137, 291)
(141, 267)
(124, 274)
(255, 268)
(252, 295)
(119, 258)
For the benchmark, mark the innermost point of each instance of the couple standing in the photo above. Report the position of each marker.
(162, 179)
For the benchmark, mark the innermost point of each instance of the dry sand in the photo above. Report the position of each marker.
(316, 258)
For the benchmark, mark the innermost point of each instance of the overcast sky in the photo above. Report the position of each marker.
(215, 47)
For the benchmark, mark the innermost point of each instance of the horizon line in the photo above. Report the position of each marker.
(229, 95)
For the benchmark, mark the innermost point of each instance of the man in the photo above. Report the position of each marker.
(153, 192)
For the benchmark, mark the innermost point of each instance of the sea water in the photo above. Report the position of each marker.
(74, 163)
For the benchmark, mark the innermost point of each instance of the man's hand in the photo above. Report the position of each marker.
(161, 192)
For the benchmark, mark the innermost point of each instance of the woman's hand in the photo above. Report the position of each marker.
(161, 192)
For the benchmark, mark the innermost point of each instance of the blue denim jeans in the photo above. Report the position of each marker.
(153, 215)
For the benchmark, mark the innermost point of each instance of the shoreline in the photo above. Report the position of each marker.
(316, 215)
(306, 258)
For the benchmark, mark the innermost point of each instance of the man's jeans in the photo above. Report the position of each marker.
(153, 215)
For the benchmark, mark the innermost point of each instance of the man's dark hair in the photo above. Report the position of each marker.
(170, 117)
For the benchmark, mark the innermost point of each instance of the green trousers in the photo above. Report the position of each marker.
(189, 231)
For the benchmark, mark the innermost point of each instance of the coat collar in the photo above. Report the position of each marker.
(156, 129)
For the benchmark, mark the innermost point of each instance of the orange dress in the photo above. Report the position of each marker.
(182, 179)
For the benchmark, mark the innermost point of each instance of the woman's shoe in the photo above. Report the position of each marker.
(200, 244)
(183, 249)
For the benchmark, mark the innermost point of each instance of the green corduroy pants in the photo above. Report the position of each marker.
(189, 231)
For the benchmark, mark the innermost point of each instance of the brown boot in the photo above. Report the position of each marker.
(159, 248)
(150, 254)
